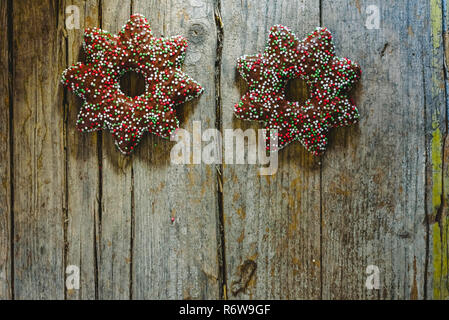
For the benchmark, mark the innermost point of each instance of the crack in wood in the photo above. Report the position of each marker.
(246, 272)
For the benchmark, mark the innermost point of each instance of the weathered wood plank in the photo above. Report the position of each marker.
(116, 212)
(5, 190)
(374, 173)
(178, 260)
(384, 182)
(38, 150)
(82, 165)
(438, 152)
(272, 224)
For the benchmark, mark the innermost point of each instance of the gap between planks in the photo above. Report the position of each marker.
(221, 249)
(11, 59)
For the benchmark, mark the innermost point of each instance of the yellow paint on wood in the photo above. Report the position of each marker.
(436, 15)
(437, 168)
(439, 189)
(440, 267)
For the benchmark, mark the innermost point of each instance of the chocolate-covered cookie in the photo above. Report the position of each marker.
(109, 57)
(328, 79)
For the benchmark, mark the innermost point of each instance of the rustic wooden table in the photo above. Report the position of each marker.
(378, 197)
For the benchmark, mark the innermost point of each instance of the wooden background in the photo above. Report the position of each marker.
(380, 195)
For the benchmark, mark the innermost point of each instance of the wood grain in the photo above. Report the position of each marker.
(83, 181)
(178, 260)
(272, 223)
(5, 185)
(38, 150)
(116, 198)
(374, 173)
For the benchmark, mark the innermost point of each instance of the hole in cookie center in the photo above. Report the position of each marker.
(296, 91)
(132, 84)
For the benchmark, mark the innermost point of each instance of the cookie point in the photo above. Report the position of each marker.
(356, 67)
(325, 32)
(180, 40)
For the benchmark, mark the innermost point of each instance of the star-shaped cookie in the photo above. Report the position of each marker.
(328, 78)
(109, 57)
